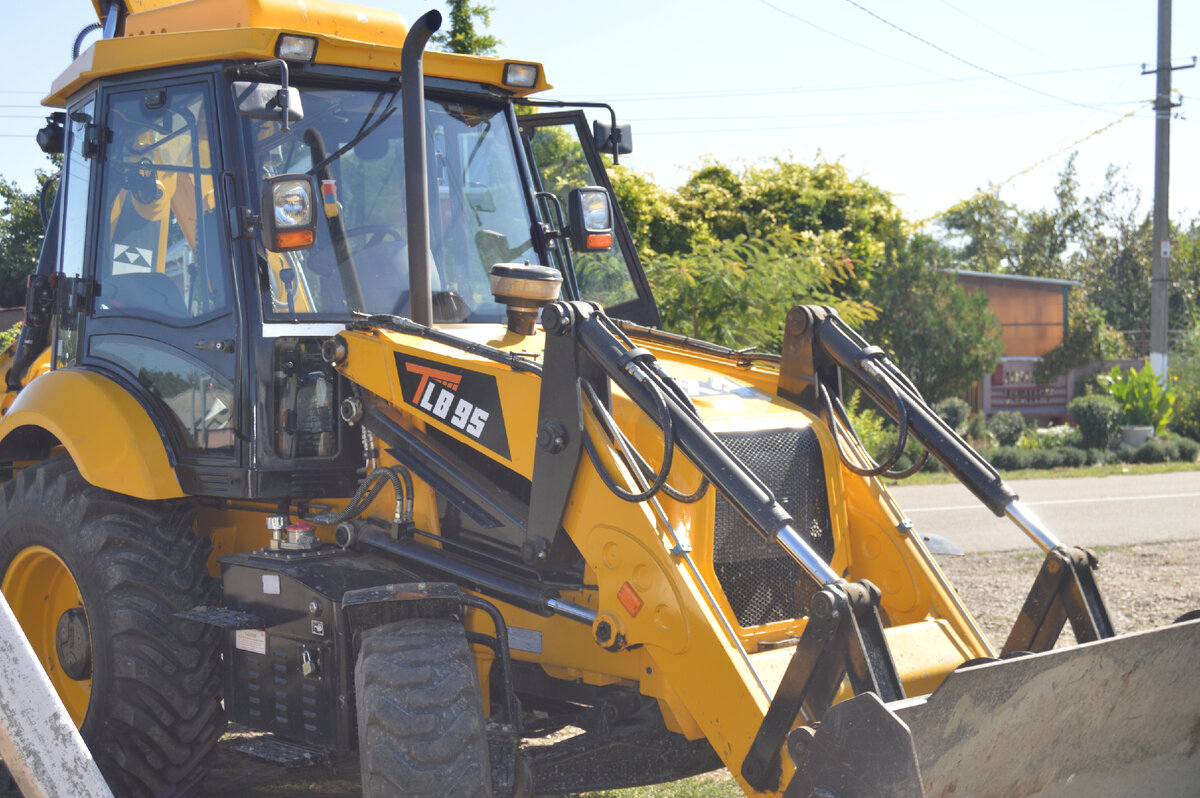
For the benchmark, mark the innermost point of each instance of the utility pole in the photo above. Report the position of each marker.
(1160, 268)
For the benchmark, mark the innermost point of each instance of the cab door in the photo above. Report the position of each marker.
(162, 312)
(563, 156)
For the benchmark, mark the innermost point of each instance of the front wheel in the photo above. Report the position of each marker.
(421, 727)
(95, 579)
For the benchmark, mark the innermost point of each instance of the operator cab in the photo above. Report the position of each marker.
(220, 220)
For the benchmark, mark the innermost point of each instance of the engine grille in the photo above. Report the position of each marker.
(760, 580)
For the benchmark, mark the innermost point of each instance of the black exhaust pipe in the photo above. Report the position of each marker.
(416, 170)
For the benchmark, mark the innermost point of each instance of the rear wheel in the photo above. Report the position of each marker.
(95, 579)
(421, 728)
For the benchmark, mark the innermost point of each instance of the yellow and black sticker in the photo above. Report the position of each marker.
(467, 401)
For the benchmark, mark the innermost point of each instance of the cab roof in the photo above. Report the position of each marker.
(167, 33)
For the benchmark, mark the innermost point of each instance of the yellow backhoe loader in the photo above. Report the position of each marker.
(341, 412)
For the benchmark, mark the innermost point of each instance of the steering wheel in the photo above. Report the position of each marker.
(378, 232)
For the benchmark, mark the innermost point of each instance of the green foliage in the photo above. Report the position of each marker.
(462, 36)
(1185, 371)
(1073, 456)
(1045, 458)
(1096, 417)
(20, 239)
(1054, 437)
(1188, 449)
(877, 435)
(738, 292)
(1008, 458)
(953, 411)
(1087, 340)
(9, 336)
(941, 337)
(1008, 426)
(977, 428)
(1155, 451)
(1143, 398)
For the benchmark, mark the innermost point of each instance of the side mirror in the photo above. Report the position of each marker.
(267, 101)
(289, 220)
(606, 135)
(590, 219)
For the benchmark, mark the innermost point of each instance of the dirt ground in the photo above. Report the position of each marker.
(1144, 586)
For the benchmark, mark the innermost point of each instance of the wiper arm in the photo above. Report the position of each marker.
(368, 127)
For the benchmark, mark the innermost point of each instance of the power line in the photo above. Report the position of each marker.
(745, 92)
(971, 64)
(1002, 34)
(947, 113)
(839, 37)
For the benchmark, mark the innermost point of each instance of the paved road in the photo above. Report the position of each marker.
(1089, 511)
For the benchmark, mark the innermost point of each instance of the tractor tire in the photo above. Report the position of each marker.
(421, 728)
(95, 579)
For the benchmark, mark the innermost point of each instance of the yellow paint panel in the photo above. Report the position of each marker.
(114, 444)
(168, 34)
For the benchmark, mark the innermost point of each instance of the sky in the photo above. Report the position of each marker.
(931, 100)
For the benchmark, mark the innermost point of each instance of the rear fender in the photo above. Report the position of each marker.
(109, 435)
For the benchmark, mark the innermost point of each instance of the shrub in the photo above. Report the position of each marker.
(977, 428)
(1188, 449)
(1096, 418)
(1126, 453)
(1073, 456)
(953, 411)
(1008, 458)
(1045, 458)
(1008, 426)
(1102, 457)
(1153, 451)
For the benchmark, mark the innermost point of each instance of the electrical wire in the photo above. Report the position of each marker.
(971, 64)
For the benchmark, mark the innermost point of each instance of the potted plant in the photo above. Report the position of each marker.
(1145, 402)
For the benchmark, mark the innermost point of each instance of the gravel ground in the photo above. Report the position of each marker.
(1145, 586)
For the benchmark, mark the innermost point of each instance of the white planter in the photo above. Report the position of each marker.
(1136, 435)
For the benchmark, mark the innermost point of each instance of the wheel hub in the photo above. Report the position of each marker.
(72, 642)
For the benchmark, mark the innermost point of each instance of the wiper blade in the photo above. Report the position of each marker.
(368, 127)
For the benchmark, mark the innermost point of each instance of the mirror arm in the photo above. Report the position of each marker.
(281, 97)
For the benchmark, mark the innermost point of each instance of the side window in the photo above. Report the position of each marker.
(561, 165)
(74, 227)
(159, 252)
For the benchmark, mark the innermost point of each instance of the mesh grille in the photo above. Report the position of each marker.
(763, 584)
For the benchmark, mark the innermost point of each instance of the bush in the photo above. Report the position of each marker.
(1045, 458)
(977, 428)
(953, 411)
(1008, 426)
(1126, 453)
(1008, 458)
(1153, 451)
(1096, 417)
(1188, 449)
(1073, 456)
(1101, 457)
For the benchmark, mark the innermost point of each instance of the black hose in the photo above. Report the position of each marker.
(75, 48)
(44, 199)
(666, 423)
(370, 488)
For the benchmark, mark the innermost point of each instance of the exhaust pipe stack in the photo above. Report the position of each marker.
(416, 169)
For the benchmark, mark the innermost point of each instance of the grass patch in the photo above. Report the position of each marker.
(945, 478)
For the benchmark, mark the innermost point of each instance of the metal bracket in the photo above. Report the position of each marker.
(1065, 589)
(843, 639)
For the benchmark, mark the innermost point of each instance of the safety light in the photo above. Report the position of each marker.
(520, 76)
(591, 219)
(296, 48)
(288, 219)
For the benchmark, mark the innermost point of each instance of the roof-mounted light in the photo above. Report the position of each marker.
(296, 48)
(520, 76)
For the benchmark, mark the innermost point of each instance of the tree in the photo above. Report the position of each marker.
(942, 337)
(21, 233)
(462, 36)
(738, 292)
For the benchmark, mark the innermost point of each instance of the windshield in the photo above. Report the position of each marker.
(353, 138)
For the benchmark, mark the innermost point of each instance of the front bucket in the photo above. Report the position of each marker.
(1118, 717)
